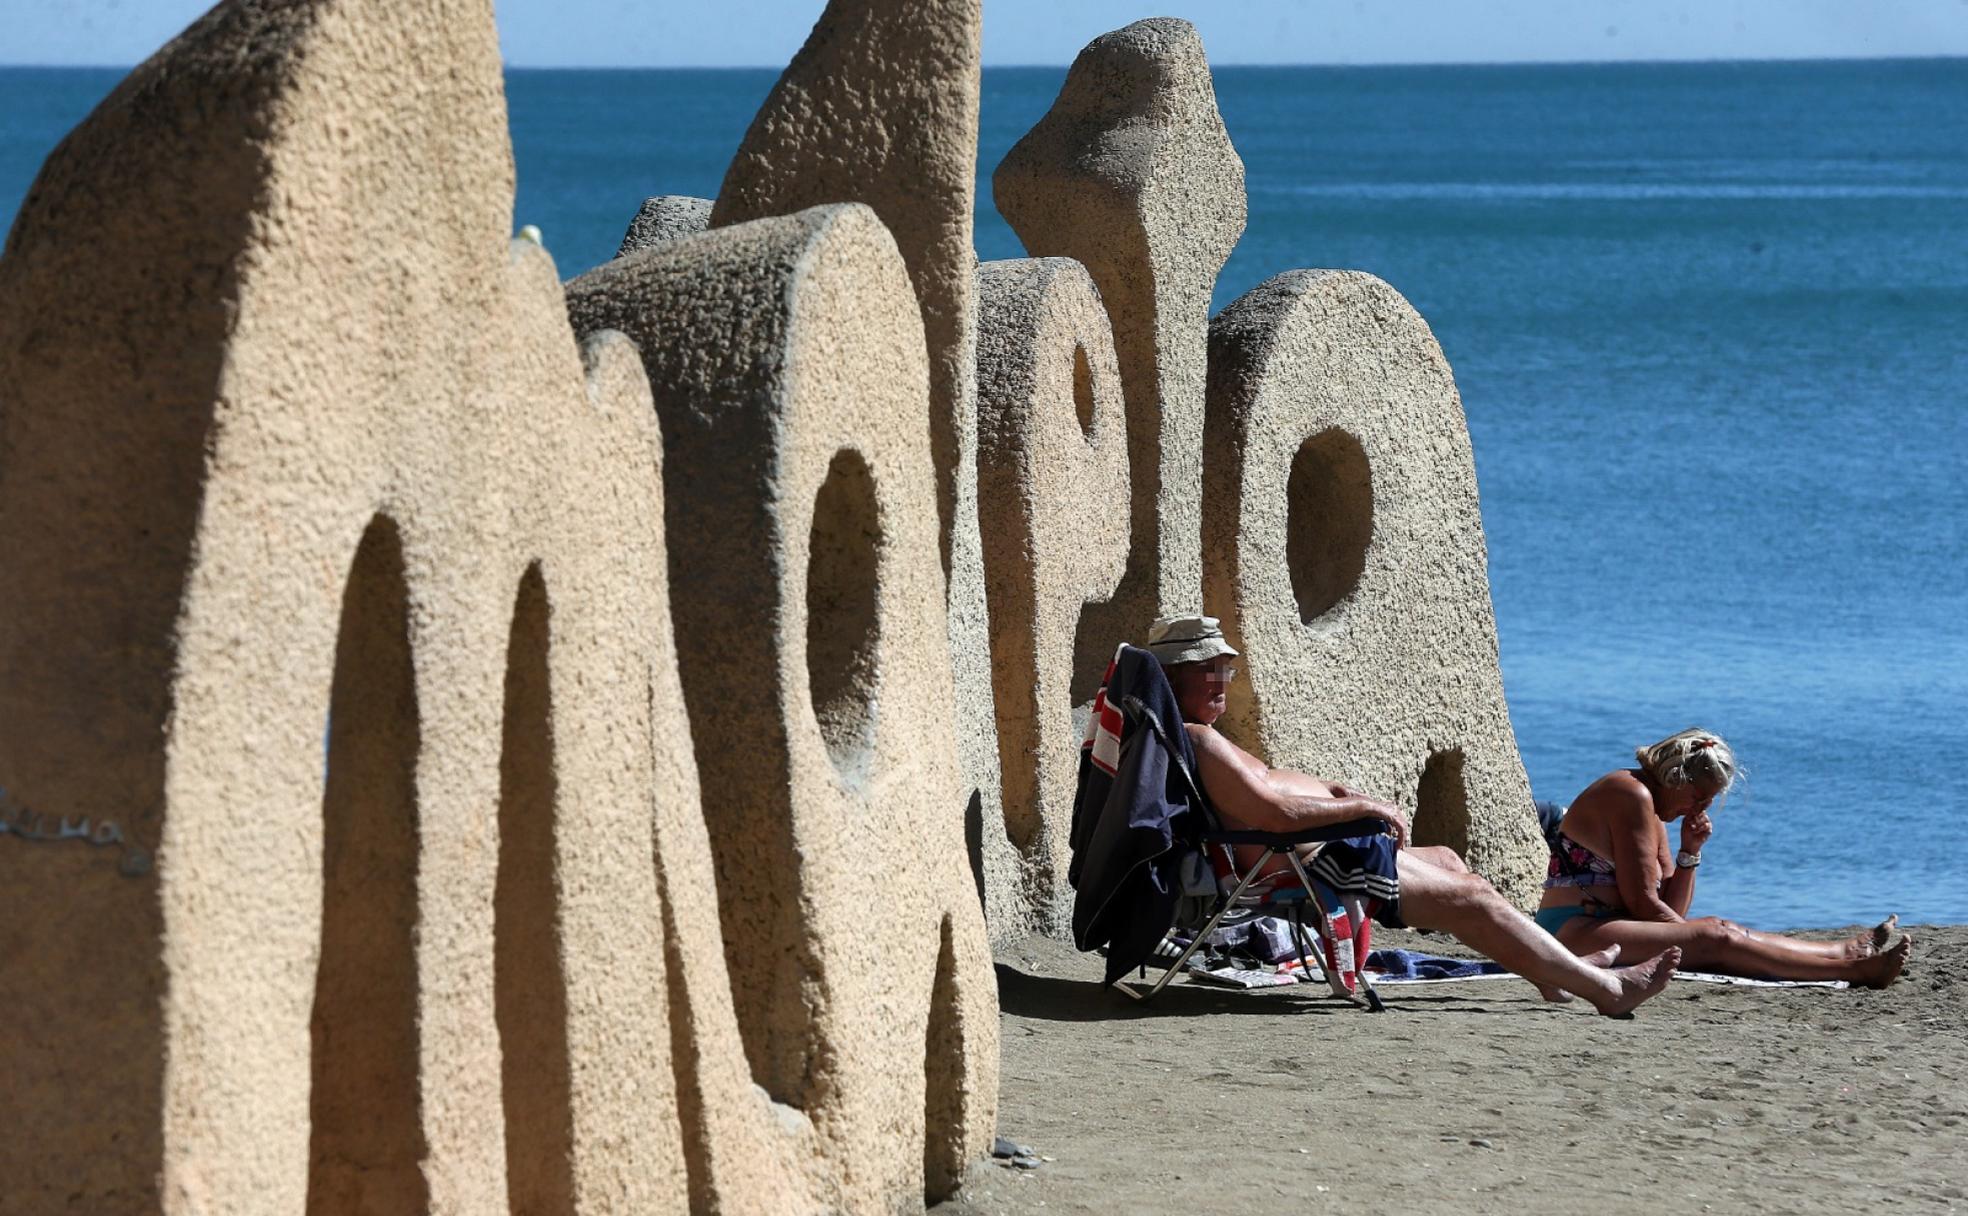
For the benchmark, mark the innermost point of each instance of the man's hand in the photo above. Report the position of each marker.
(1695, 831)
(1396, 820)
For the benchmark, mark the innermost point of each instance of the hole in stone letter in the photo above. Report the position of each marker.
(1083, 390)
(366, 1139)
(842, 622)
(529, 987)
(1442, 802)
(1328, 521)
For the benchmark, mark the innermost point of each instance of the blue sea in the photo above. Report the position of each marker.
(1710, 323)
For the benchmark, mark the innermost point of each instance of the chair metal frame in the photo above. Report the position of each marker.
(1215, 836)
(1240, 896)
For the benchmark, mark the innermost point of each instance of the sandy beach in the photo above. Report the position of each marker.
(1479, 1097)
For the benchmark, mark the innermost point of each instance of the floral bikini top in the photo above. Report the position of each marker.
(1574, 865)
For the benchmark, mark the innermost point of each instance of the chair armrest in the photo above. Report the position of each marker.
(1337, 831)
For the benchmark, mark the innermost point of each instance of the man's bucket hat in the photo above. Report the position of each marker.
(1187, 639)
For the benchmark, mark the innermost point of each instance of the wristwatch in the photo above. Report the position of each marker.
(1684, 860)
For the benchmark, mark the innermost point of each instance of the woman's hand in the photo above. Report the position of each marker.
(1695, 831)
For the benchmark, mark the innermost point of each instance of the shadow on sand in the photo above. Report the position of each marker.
(1059, 999)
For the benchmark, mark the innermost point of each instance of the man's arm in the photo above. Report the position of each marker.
(1238, 787)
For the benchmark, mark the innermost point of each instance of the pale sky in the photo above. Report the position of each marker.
(765, 33)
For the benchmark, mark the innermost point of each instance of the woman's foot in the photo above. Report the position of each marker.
(1883, 932)
(1873, 940)
(1883, 968)
(1639, 982)
(1598, 958)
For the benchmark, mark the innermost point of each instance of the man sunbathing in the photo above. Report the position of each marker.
(1432, 888)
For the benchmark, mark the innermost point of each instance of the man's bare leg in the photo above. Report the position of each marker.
(1442, 857)
(1469, 908)
(1598, 958)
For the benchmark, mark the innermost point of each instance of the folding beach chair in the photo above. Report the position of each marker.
(1340, 923)
(1144, 837)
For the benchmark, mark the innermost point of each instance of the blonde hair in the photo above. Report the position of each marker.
(1692, 757)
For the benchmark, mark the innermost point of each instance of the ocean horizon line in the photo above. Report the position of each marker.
(1226, 65)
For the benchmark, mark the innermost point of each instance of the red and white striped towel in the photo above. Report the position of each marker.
(1103, 737)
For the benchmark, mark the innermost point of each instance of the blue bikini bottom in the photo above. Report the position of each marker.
(1553, 919)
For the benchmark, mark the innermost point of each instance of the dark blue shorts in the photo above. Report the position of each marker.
(1363, 866)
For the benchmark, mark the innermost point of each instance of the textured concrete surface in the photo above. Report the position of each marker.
(880, 107)
(665, 218)
(800, 499)
(1132, 174)
(1343, 548)
(1052, 483)
(337, 582)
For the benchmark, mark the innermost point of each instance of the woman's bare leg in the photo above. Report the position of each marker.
(1469, 908)
(1861, 945)
(1880, 937)
(1719, 945)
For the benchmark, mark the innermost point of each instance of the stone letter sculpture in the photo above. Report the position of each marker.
(1132, 174)
(806, 587)
(1343, 548)
(665, 218)
(880, 107)
(1052, 482)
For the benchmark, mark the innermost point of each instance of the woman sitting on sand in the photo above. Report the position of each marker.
(1614, 882)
